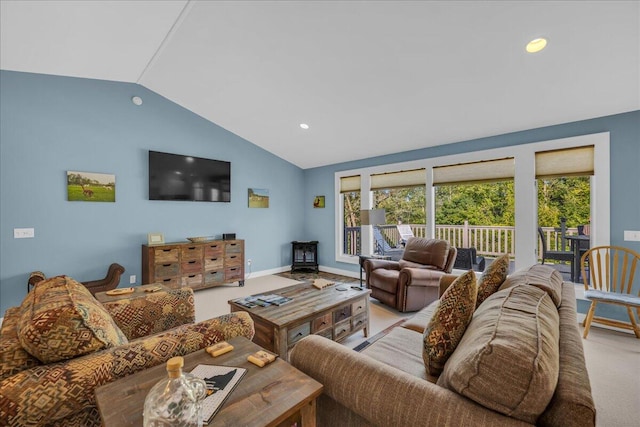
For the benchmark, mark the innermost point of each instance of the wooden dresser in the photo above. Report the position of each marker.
(197, 265)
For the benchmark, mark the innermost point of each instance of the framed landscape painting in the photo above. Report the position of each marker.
(258, 198)
(90, 187)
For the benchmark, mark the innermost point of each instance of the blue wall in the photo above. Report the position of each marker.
(625, 179)
(49, 125)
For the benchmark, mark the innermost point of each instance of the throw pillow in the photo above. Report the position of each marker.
(60, 319)
(492, 278)
(544, 277)
(509, 357)
(450, 320)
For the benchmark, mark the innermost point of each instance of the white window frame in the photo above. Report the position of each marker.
(524, 186)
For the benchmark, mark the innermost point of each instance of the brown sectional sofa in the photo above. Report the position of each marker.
(498, 375)
(75, 344)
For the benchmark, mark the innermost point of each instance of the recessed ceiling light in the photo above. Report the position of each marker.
(137, 100)
(304, 126)
(536, 45)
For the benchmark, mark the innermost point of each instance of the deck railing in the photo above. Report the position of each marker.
(489, 241)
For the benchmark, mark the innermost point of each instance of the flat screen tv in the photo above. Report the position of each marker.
(177, 177)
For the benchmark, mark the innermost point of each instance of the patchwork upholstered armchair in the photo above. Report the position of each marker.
(61, 344)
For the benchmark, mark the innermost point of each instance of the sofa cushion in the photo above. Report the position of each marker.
(492, 277)
(13, 358)
(60, 319)
(401, 348)
(541, 276)
(421, 319)
(508, 359)
(448, 323)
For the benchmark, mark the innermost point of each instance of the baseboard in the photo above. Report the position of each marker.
(354, 274)
(267, 272)
(1, 319)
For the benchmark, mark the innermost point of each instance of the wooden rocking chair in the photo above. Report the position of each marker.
(608, 274)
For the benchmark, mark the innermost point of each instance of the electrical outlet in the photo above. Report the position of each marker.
(631, 236)
(23, 233)
(132, 279)
(249, 262)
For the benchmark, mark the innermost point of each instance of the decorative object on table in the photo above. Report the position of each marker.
(219, 348)
(322, 283)
(155, 239)
(176, 400)
(200, 239)
(120, 291)
(318, 202)
(220, 382)
(261, 358)
(90, 187)
(229, 236)
(258, 198)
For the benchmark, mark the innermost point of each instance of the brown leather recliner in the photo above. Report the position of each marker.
(413, 282)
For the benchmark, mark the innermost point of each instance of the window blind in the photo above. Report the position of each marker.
(400, 179)
(349, 184)
(475, 172)
(565, 162)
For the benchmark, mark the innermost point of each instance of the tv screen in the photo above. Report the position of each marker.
(177, 177)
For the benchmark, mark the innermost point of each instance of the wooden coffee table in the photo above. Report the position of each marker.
(265, 396)
(329, 312)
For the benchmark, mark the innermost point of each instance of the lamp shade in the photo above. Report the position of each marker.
(373, 217)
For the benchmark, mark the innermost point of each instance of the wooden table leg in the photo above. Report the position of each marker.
(308, 414)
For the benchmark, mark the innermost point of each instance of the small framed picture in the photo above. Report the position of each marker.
(318, 202)
(155, 238)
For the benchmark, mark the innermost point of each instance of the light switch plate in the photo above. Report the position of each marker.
(24, 233)
(632, 235)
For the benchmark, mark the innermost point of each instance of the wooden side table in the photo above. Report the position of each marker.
(268, 396)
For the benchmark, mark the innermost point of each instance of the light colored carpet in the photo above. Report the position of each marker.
(613, 358)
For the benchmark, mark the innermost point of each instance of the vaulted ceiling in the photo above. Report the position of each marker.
(368, 77)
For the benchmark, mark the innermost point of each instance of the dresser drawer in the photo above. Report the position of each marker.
(166, 270)
(358, 307)
(327, 333)
(297, 333)
(191, 252)
(192, 280)
(192, 266)
(170, 282)
(165, 255)
(321, 322)
(213, 263)
(341, 329)
(359, 321)
(213, 250)
(233, 273)
(341, 313)
(233, 260)
(233, 247)
(213, 277)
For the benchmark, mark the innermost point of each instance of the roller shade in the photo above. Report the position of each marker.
(565, 162)
(349, 184)
(401, 179)
(475, 172)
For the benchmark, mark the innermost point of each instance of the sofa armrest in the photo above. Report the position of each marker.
(420, 277)
(152, 313)
(381, 394)
(373, 264)
(48, 393)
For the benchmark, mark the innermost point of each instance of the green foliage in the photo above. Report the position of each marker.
(98, 193)
(479, 204)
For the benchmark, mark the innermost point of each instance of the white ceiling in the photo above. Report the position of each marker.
(369, 77)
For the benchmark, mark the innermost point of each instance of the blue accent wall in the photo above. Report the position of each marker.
(50, 124)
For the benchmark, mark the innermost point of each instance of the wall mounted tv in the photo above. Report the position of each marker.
(177, 177)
